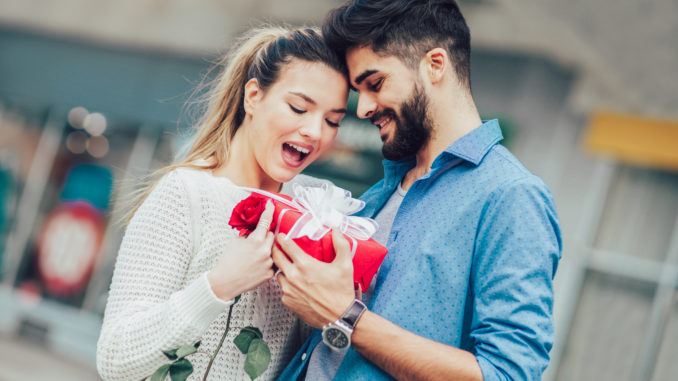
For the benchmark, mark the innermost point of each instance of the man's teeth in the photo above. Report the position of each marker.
(385, 122)
(300, 149)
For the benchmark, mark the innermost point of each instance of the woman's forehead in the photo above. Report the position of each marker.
(313, 80)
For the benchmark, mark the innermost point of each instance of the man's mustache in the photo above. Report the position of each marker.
(389, 112)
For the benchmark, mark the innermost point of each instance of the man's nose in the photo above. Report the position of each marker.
(366, 106)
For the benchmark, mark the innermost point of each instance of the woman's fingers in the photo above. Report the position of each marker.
(264, 222)
(270, 237)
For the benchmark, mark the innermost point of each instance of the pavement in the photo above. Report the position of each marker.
(27, 361)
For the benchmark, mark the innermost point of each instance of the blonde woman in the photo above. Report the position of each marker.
(275, 108)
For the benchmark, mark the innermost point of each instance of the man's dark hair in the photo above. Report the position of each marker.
(406, 29)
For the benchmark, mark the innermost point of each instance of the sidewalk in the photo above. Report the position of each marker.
(24, 360)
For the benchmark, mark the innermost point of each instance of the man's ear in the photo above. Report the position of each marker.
(253, 94)
(436, 62)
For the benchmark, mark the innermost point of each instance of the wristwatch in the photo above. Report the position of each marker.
(337, 335)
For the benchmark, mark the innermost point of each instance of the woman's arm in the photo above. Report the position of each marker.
(148, 310)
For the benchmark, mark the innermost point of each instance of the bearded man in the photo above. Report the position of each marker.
(466, 290)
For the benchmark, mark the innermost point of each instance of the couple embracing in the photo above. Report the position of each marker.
(465, 292)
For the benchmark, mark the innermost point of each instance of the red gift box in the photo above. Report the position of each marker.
(368, 253)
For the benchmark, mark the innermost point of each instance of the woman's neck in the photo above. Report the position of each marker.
(242, 167)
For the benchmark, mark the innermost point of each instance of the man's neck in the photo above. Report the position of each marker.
(449, 125)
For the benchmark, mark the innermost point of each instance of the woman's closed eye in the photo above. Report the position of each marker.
(331, 123)
(297, 110)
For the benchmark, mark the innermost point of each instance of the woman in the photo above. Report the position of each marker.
(274, 109)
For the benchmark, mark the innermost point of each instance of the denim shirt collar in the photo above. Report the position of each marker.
(471, 147)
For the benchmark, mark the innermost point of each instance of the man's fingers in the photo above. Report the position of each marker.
(342, 247)
(291, 248)
(280, 259)
(264, 221)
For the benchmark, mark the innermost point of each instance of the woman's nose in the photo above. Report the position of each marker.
(366, 106)
(312, 129)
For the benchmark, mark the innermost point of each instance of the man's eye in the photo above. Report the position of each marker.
(376, 85)
(298, 111)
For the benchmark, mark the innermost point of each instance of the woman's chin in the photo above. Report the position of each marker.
(283, 175)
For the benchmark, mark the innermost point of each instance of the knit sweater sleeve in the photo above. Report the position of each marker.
(152, 307)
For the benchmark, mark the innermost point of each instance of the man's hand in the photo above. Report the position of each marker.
(316, 291)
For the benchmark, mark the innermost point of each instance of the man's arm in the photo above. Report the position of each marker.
(320, 292)
(517, 251)
(407, 356)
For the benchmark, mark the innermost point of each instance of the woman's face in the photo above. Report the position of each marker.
(295, 119)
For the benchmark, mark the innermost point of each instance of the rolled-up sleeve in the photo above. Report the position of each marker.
(515, 259)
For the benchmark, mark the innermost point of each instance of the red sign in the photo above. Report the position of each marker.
(67, 248)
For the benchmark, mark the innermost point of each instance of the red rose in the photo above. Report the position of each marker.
(247, 212)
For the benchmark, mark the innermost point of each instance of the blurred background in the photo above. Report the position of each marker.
(93, 95)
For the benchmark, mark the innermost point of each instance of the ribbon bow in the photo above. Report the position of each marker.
(328, 207)
(323, 208)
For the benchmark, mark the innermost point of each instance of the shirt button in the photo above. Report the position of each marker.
(303, 356)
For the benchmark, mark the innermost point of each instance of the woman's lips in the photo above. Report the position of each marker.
(294, 153)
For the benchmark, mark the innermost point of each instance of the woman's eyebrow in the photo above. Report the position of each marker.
(311, 101)
(303, 96)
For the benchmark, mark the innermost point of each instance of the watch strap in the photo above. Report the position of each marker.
(353, 313)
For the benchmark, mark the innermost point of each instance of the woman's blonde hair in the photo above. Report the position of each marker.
(260, 53)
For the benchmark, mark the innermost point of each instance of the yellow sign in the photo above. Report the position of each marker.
(632, 139)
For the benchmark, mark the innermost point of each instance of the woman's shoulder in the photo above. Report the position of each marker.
(196, 176)
(175, 181)
(185, 173)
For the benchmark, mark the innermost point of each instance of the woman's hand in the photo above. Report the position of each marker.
(246, 262)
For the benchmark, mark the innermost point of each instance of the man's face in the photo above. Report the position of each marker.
(391, 95)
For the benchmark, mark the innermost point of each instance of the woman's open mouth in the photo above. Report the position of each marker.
(294, 154)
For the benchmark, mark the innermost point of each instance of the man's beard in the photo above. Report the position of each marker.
(412, 127)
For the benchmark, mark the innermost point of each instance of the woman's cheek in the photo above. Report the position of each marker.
(329, 138)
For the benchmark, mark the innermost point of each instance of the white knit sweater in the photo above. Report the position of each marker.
(160, 298)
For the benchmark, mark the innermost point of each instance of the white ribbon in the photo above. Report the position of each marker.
(324, 208)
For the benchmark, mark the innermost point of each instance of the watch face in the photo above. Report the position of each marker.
(335, 338)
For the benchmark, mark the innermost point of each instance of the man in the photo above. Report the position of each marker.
(465, 292)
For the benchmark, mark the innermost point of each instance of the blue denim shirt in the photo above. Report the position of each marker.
(472, 255)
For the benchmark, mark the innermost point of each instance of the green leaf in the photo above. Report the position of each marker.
(243, 340)
(180, 370)
(255, 330)
(172, 355)
(197, 344)
(161, 373)
(245, 337)
(185, 351)
(258, 357)
(235, 300)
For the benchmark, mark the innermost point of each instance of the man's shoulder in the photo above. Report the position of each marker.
(504, 163)
(500, 170)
